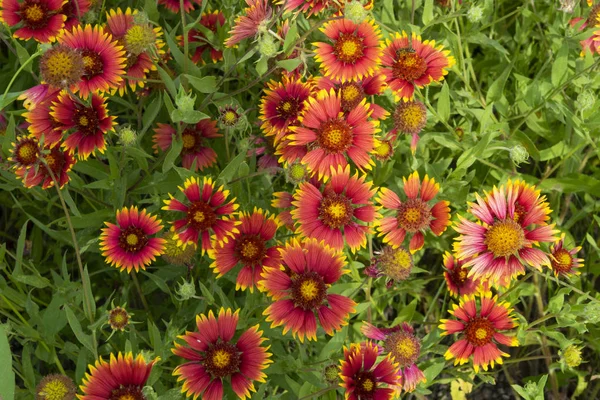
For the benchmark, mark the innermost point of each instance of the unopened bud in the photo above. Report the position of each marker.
(355, 12)
(519, 154)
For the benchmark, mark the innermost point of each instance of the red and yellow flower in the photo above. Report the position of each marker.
(341, 209)
(175, 5)
(256, 16)
(458, 280)
(563, 261)
(353, 92)
(89, 123)
(365, 378)
(129, 245)
(331, 135)
(511, 222)
(393, 263)
(479, 324)
(309, 7)
(418, 64)
(283, 201)
(211, 21)
(103, 58)
(299, 288)
(253, 247)
(195, 147)
(74, 10)
(400, 342)
(214, 357)
(121, 25)
(207, 213)
(56, 165)
(26, 153)
(42, 123)
(415, 215)
(123, 377)
(39, 19)
(354, 52)
(281, 106)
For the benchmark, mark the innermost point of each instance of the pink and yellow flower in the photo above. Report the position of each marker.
(57, 165)
(214, 357)
(39, 19)
(563, 261)
(42, 123)
(253, 247)
(511, 222)
(354, 52)
(406, 67)
(103, 58)
(400, 342)
(415, 215)
(283, 201)
(365, 378)
(458, 280)
(207, 213)
(479, 325)
(331, 135)
(129, 245)
(353, 92)
(175, 5)
(195, 143)
(89, 123)
(309, 7)
(122, 378)
(341, 210)
(74, 10)
(256, 15)
(299, 288)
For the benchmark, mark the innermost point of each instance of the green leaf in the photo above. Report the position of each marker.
(150, 113)
(428, 12)
(9, 135)
(207, 84)
(151, 10)
(262, 66)
(289, 65)
(7, 383)
(22, 55)
(561, 65)
(433, 371)
(87, 287)
(85, 340)
(33, 280)
(443, 106)
(494, 93)
(174, 151)
(170, 85)
(290, 38)
(20, 248)
(229, 171)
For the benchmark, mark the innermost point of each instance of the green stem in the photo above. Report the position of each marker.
(319, 393)
(185, 38)
(21, 68)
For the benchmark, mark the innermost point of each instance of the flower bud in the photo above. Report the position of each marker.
(519, 154)
(186, 290)
(268, 46)
(355, 11)
(330, 374)
(475, 14)
(296, 173)
(118, 318)
(127, 136)
(571, 356)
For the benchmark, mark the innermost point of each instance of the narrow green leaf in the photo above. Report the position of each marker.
(262, 66)
(85, 340)
(428, 12)
(22, 55)
(87, 287)
(151, 9)
(20, 248)
(229, 171)
(443, 106)
(561, 65)
(207, 84)
(497, 87)
(174, 151)
(290, 38)
(167, 81)
(150, 114)
(289, 65)
(7, 383)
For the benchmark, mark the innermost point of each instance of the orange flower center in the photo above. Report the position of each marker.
(308, 290)
(92, 63)
(404, 347)
(86, 119)
(130, 392)
(250, 249)
(414, 215)
(352, 94)
(27, 152)
(562, 261)
(201, 216)
(479, 331)
(504, 238)
(288, 108)
(34, 14)
(335, 210)
(409, 65)
(221, 360)
(335, 136)
(366, 384)
(132, 239)
(348, 48)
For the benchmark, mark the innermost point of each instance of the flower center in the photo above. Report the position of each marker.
(27, 152)
(335, 136)
(459, 275)
(395, 263)
(520, 213)
(366, 384)
(409, 65)
(308, 290)
(504, 238)
(139, 38)
(348, 48)
(86, 119)
(118, 318)
(562, 261)
(92, 63)
(335, 210)
(230, 118)
(54, 390)
(132, 239)
(35, 15)
(222, 359)
(250, 249)
(189, 140)
(404, 347)
(61, 66)
(410, 117)
(55, 161)
(414, 215)
(384, 150)
(129, 392)
(479, 331)
(288, 108)
(201, 216)
(352, 95)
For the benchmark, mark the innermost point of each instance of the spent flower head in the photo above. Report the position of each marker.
(268, 46)
(571, 356)
(355, 11)
(55, 387)
(475, 14)
(127, 135)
